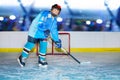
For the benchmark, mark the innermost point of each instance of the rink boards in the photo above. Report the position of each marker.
(79, 41)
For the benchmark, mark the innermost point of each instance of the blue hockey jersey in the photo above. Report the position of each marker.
(44, 21)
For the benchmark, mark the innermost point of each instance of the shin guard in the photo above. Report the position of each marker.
(43, 50)
(27, 48)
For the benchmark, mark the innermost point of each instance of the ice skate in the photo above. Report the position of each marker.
(20, 61)
(43, 64)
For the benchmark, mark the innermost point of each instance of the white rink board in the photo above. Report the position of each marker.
(78, 39)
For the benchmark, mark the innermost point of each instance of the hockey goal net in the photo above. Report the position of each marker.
(65, 39)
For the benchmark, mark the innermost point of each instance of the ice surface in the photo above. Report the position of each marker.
(95, 66)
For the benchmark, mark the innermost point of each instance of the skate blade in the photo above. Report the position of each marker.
(43, 66)
(20, 63)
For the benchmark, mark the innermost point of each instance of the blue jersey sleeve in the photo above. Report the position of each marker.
(54, 32)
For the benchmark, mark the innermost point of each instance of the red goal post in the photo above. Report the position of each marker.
(65, 39)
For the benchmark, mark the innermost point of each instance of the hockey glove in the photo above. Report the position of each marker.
(47, 33)
(58, 44)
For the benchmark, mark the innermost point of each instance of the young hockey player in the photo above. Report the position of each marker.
(44, 25)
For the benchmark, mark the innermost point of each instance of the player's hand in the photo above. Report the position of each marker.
(58, 44)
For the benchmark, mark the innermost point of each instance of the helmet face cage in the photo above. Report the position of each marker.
(57, 7)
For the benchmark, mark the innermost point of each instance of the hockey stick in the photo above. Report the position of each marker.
(64, 50)
(82, 63)
(68, 53)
